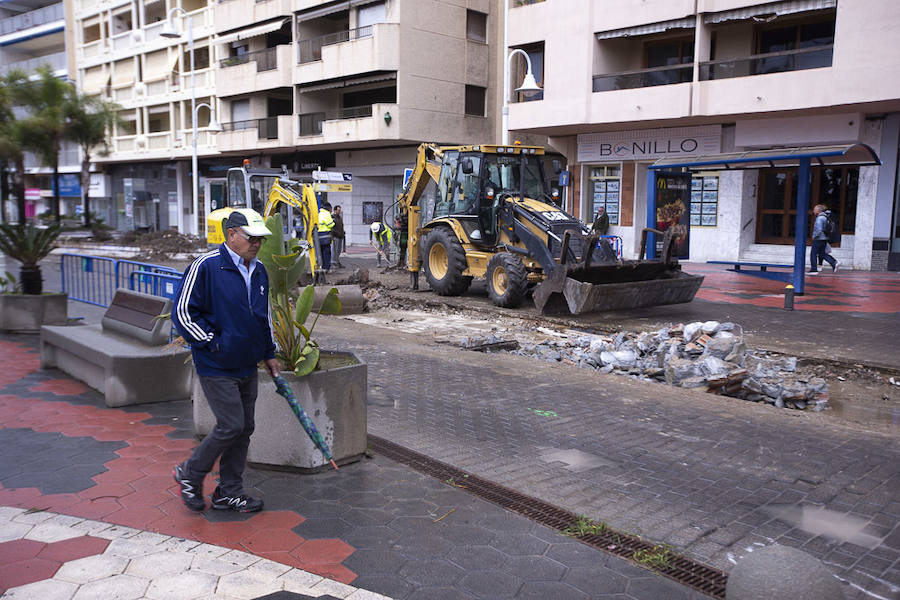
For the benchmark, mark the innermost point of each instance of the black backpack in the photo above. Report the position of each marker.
(832, 231)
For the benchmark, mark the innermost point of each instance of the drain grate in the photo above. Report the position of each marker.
(683, 570)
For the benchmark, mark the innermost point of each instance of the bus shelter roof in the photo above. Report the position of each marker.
(841, 155)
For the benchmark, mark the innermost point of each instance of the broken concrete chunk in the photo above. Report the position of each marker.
(709, 327)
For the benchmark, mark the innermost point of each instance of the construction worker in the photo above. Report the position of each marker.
(380, 237)
(326, 224)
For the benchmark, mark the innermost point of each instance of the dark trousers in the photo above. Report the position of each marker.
(325, 252)
(232, 401)
(817, 253)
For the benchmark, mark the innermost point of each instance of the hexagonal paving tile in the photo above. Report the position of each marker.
(120, 587)
(535, 568)
(183, 586)
(477, 558)
(431, 572)
(92, 568)
(375, 561)
(159, 563)
(596, 580)
(485, 584)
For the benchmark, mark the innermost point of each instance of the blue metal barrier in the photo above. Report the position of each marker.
(94, 279)
(614, 241)
(88, 279)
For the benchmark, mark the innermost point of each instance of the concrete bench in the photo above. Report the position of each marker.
(124, 357)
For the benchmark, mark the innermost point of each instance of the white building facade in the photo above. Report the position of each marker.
(627, 82)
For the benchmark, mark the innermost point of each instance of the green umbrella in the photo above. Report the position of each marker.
(283, 389)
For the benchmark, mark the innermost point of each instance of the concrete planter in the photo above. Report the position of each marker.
(26, 313)
(335, 400)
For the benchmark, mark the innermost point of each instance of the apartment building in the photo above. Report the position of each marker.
(32, 35)
(628, 82)
(350, 86)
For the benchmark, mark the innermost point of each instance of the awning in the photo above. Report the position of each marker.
(159, 65)
(323, 11)
(123, 72)
(95, 79)
(844, 155)
(685, 23)
(251, 32)
(788, 7)
(330, 85)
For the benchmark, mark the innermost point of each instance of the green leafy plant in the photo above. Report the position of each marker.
(586, 526)
(658, 557)
(286, 262)
(8, 284)
(29, 245)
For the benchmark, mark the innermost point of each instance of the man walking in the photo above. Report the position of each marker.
(601, 221)
(222, 310)
(337, 236)
(819, 241)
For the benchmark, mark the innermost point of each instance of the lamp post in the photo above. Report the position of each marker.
(529, 86)
(170, 32)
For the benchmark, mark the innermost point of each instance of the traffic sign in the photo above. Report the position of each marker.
(333, 187)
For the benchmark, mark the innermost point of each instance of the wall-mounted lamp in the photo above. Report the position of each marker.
(387, 118)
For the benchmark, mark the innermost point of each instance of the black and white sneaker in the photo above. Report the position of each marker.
(242, 503)
(191, 491)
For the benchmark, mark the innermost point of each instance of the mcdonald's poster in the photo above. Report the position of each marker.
(673, 199)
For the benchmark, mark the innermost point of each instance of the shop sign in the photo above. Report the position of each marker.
(32, 194)
(649, 143)
(69, 185)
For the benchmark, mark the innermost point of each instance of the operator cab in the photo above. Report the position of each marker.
(475, 181)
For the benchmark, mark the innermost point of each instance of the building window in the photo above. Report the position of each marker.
(476, 26)
(792, 41)
(605, 189)
(835, 187)
(536, 54)
(705, 200)
(372, 212)
(475, 95)
(671, 53)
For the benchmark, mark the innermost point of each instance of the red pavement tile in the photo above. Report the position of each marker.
(17, 550)
(139, 517)
(271, 540)
(317, 552)
(26, 571)
(331, 571)
(61, 387)
(94, 509)
(74, 548)
(111, 489)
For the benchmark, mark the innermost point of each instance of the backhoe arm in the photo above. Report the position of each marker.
(427, 169)
(300, 196)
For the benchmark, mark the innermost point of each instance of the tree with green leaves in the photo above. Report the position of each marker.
(12, 147)
(88, 121)
(45, 97)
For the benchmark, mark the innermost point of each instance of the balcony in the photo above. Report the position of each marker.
(40, 16)
(255, 71)
(254, 134)
(377, 52)
(349, 125)
(237, 14)
(641, 78)
(773, 62)
(57, 62)
(311, 49)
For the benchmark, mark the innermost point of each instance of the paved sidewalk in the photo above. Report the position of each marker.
(374, 525)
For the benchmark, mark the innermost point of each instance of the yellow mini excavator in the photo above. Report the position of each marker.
(493, 216)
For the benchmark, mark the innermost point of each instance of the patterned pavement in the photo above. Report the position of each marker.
(78, 474)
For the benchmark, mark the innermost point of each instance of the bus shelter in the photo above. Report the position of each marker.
(802, 159)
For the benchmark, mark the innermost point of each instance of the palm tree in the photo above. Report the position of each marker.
(88, 119)
(45, 98)
(11, 146)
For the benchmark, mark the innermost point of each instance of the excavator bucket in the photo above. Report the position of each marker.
(612, 284)
(631, 284)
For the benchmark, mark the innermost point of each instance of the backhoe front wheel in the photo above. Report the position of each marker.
(445, 262)
(507, 280)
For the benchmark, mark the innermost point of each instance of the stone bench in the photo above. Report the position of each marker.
(124, 357)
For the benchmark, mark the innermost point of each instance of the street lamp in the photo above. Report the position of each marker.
(529, 86)
(170, 32)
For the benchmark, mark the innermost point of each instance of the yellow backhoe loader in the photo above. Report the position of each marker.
(493, 216)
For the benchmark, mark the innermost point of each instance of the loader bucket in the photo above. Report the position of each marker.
(575, 289)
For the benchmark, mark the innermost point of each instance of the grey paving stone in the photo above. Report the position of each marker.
(657, 586)
(596, 580)
(542, 590)
(424, 573)
(477, 558)
(387, 585)
(483, 584)
(376, 562)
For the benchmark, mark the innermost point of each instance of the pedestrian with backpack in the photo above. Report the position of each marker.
(824, 230)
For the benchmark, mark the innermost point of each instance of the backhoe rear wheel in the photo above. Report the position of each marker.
(445, 261)
(507, 280)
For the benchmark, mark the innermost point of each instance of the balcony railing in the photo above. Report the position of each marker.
(267, 128)
(266, 60)
(311, 49)
(771, 62)
(57, 61)
(627, 80)
(311, 123)
(33, 18)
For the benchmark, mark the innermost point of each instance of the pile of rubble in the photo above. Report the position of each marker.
(708, 355)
